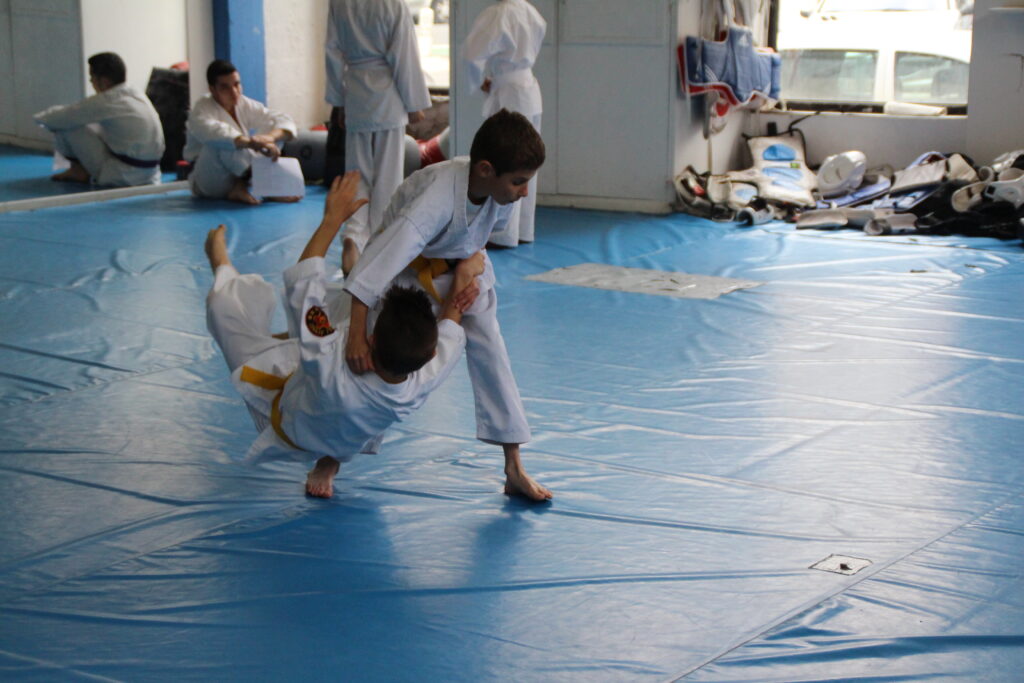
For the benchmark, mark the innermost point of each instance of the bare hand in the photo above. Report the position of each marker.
(466, 297)
(357, 354)
(471, 266)
(341, 202)
(265, 145)
(416, 116)
(486, 86)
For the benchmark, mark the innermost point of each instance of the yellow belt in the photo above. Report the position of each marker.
(426, 270)
(264, 380)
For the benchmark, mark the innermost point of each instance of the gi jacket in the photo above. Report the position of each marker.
(503, 45)
(128, 123)
(325, 407)
(427, 216)
(211, 124)
(373, 64)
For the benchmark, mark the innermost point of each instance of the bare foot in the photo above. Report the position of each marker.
(320, 480)
(283, 200)
(217, 247)
(75, 174)
(519, 483)
(240, 193)
(349, 255)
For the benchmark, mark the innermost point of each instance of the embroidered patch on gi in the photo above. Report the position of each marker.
(317, 322)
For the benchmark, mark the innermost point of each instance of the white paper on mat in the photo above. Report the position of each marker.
(680, 285)
(281, 178)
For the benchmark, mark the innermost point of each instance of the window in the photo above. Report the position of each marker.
(930, 79)
(431, 19)
(829, 75)
(860, 54)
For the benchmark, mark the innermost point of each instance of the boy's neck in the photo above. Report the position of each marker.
(389, 378)
(476, 194)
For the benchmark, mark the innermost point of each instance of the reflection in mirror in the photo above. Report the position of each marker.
(44, 47)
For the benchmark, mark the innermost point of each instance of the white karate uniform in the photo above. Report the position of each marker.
(428, 216)
(373, 71)
(210, 142)
(118, 122)
(503, 45)
(325, 408)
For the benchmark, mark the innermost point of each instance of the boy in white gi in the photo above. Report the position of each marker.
(448, 211)
(226, 130)
(376, 85)
(299, 390)
(111, 138)
(500, 52)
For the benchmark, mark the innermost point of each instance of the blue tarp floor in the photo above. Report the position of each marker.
(25, 174)
(866, 400)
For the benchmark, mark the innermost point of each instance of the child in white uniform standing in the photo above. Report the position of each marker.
(375, 82)
(500, 52)
(448, 211)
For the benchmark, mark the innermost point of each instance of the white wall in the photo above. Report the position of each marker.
(199, 29)
(894, 140)
(295, 33)
(145, 33)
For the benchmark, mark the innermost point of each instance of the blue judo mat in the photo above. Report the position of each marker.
(866, 401)
(25, 174)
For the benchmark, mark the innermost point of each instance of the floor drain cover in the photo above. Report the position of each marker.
(841, 564)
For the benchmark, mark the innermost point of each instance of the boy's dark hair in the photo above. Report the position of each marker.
(509, 141)
(108, 65)
(218, 68)
(405, 334)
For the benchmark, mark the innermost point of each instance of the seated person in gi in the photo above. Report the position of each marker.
(448, 211)
(300, 390)
(226, 130)
(111, 138)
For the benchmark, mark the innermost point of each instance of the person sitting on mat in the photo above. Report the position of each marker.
(226, 130)
(299, 390)
(448, 211)
(111, 138)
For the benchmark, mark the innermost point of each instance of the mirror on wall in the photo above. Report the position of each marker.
(44, 45)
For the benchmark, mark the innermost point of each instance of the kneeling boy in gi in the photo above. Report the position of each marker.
(300, 390)
(448, 211)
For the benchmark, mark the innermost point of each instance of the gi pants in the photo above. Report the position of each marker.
(84, 145)
(379, 156)
(500, 417)
(216, 170)
(239, 310)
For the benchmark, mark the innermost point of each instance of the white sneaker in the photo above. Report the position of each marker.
(968, 196)
(1011, 191)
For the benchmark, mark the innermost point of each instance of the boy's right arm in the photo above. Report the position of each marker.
(464, 290)
(357, 349)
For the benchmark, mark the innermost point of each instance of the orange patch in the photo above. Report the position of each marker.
(317, 322)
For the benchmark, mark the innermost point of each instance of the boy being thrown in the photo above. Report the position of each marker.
(300, 390)
(442, 213)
